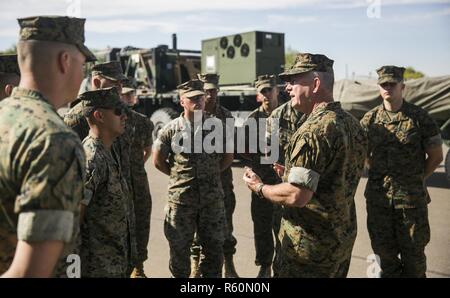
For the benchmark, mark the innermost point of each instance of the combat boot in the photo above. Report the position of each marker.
(230, 271)
(195, 270)
(264, 272)
(138, 272)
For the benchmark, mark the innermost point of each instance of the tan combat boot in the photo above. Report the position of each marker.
(138, 272)
(264, 272)
(230, 271)
(195, 270)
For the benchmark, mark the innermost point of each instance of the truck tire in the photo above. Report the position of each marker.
(447, 166)
(160, 118)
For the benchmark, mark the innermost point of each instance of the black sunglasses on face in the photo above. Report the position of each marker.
(266, 90)
(118, 111)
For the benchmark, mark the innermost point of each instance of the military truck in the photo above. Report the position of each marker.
(237, 58)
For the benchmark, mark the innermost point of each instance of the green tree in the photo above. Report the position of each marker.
(10, 50)
(411, 73)
(289, 57)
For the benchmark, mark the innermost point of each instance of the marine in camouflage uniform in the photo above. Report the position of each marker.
(9, 74)
(142, 200)
(289, 120)
(324, 162)
(262, 211)
(107, 230)
(39, 202)
(211, 83)
(396, 195)
(195, 198)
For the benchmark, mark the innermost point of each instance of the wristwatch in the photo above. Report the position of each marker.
(258, 190)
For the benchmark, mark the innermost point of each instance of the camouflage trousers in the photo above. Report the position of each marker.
(229, 245)
(180, 224)
(303, 256)
(288, 267)
(265, 221)
(399, 237)
(142, 209)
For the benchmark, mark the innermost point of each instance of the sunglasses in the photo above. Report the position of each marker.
(119, 111)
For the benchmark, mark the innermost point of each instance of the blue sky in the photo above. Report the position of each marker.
(360, 35)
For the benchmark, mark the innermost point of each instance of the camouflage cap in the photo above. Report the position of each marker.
(55, 28)
(126, 90)
(390, 74)
(111, 70)
(305, 62)
(106, 98)
(9, 64)
(265, 81)
(191, 88)
(210, 80)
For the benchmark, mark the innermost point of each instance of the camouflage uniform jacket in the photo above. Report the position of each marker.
(222, 114)
(264, 171)
(74, 119)
(326, 155)
(42, 171)
(289, 121)
(194, 177)
(143, 129)
(107, 233)
(396, 154)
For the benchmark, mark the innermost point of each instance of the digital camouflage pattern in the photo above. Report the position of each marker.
(106, 98)
(265, 81)
(289, 120)
(390, 74)
(191, 88)
(317, 240)
(111, 70)
(399, 237)
(40, 201)
(121, 148)
(226, 177)
(57, 29)
(210, 80)
(195, 195)
(75, 119)
(9, 64)
(305, 62)
(141, 191)
(262, 211)
(207, 221)
(107, 231)
(396, 194)
(394, 181)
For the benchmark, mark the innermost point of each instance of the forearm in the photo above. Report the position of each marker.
(163, 167)
(285, 194)
(431, 165)
(434, 157)
(147, 154)
(35, 259)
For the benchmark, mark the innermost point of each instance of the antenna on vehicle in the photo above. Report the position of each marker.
(174, 41)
